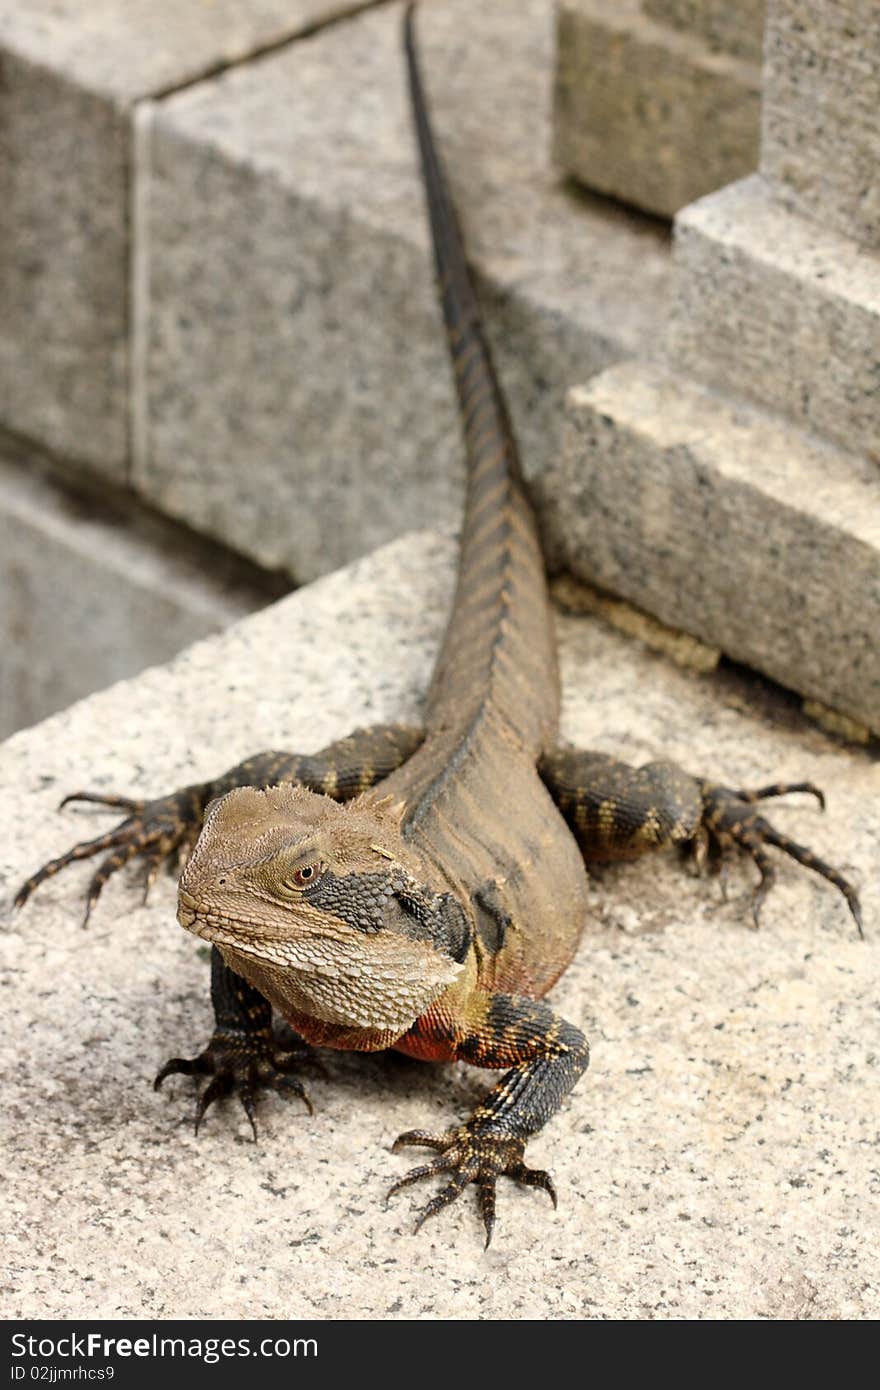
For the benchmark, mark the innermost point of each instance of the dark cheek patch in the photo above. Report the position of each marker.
(396, 902)
(357, 899)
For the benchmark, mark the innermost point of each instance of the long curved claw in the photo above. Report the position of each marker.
(293, 1086)
(447, 1195)
(536, 1177)
(218, 1086)
(486, 1203)
(246, 1096)
(768, 876)
(153, 861)
(421, 1138)
(121, 803)
(180, 1066)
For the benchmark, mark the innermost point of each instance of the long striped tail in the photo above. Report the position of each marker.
(499, 651)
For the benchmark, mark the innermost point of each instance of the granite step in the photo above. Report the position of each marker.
(731, 1100)
(728, 523)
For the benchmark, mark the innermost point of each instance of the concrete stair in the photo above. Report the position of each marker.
(657, 102)
(728, 481)
(220, 303)
(728, 523)
(93, 590)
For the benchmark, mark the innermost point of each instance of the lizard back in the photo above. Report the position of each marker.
(472, 802)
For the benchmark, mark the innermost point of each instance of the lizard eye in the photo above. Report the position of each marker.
(306, 875)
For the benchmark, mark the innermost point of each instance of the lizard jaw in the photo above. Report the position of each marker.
(337, 975)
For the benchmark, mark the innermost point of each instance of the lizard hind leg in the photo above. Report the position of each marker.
(619, 812)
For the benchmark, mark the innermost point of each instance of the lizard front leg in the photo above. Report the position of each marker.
(546, 1055)
(620, 812)
(156, 830)
(243, 1054)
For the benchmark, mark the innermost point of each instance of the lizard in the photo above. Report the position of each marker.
(423, 888)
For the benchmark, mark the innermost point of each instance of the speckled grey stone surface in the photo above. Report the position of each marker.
(298, 402)
(719, 1159)
(87, 597)
(778, 308)
(678, 498)
(125, 49)
(71, 73)
(773, 307)
(735, 28)
(648, 112)
(821, 133)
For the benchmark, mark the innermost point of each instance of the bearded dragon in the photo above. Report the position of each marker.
(423, 888)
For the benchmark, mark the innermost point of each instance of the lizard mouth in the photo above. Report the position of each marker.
(202, 924)
(244, 936)
(187, 914)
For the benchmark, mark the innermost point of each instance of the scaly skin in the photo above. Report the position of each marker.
(423, 889)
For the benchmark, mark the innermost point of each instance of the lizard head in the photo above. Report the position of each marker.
(319, 905)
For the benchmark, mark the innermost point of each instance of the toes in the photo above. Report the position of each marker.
(246, 1096)
(427, 1170)
(121, 803)
(235, 1070)
(84, 850)
(535, 1177)
(445, 1197)
(782, 789)
(182, 1066)
(486, 1200)
(767, 880)
(106, 869)
(471, 1156)
(152, 829)
(219, 1085)
(291, 1085)
(730, 818)
(771, 836)
(422, 1138)
(152, 865)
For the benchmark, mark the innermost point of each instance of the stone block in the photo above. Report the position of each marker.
(727, 523)
(89, 596)
(295, 396)
(71, 75)
(776, 309)
(715, 1162)
(649, 113)
(821, 129)
(737, 28)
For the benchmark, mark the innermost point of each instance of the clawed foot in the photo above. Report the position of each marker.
(468, 1155)
(730, 818)
(241, 1064)
(155, 830)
